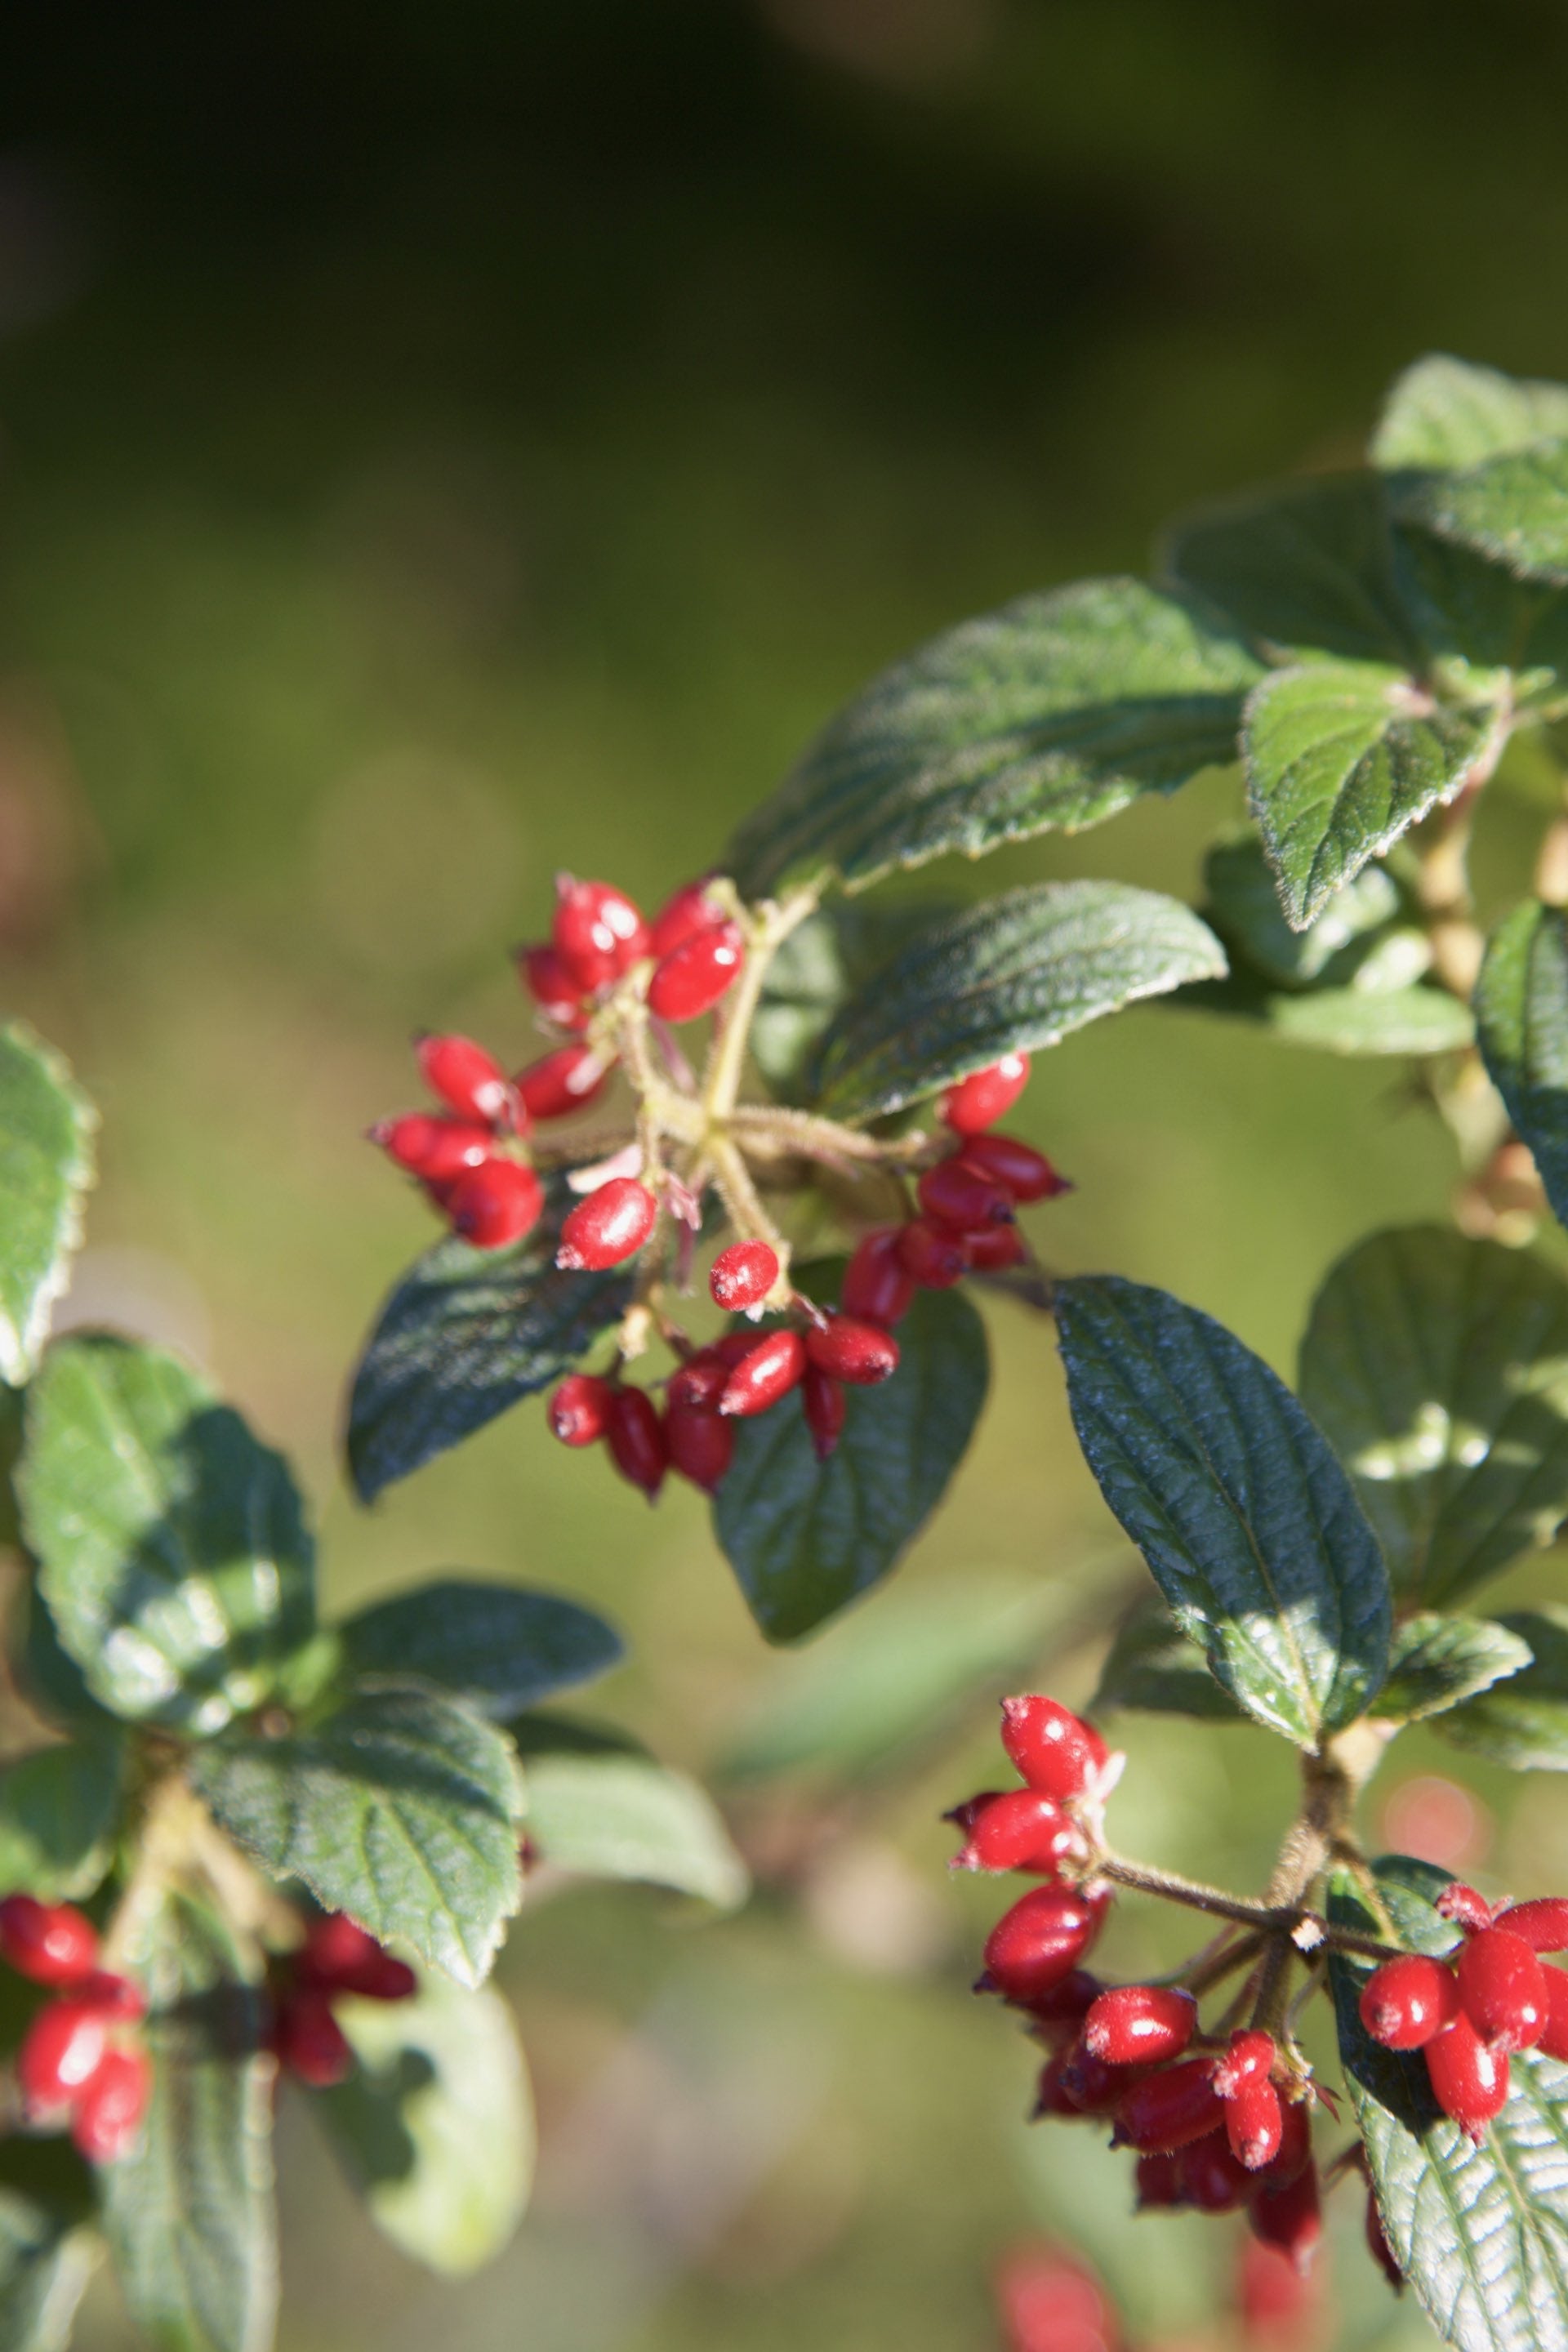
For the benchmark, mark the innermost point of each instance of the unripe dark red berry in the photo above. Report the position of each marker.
(877, 1286)
(1469, 2081)
(494, 1204)
(1249, 2059)
(699, 1443)
(433, 1148)
(1061, 2009)
(1020, 1830)
(1168, 2109)
(994, 1249)
(637, 1440)
(597, 931)
(825, 1405)
(689, 981)
(468, 1079)
(1544, 1924)
(1040, 1940)
(61, 2048)
(1254, 2123)
(1554, 2040)
(1378, 2247)
(553, 987)
(1141, 2025)
(51, 1943)
(563, 1082)
(107, 2120)
(607, 1227)
(1502, 1987)
(1464, 1907)
(1408, 2000)
(1022, 1173)
(1091, 2086)
(986, 1095)
(1290, 2217)
(681, 917)
(1213, 2178)
(1053, 1748)
(699, 1381)
(742, 1275)
(1159, 2180)
(963, 1197)
(340, 1956)
(768, 1371)
(1294, 2149)
(861, 1353)
(580, 1409)
(1052, 2096)
(111, 1995)
(309, 2040)
(931, 1255)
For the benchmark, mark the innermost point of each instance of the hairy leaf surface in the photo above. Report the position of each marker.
(46, 1126)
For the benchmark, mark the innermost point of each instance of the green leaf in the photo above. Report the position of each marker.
(435, 2126)
(1512, 508)
(805, 1537)
(44, 2268)
(401, 1809)
(1050, 715)
(46, 1126)
(173, 1555)
(465, 1335)
(1371, 1021)
(1343, 757)
(1447, 415)
(1303, 570)
(1157, 1669)
(1435, 1661)
(1481, 2234)
(1438, 1368)
(1522, 1011)
(500, 1648)
(825, 962)
(58, 1810)
(1241, 1511)
(600, 1808)
(1007, 977)
(1521, 1723)
(1243, 904)
(189, 2212)
(1476, 622)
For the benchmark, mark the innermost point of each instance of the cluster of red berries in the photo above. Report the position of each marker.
(969, 1202)
(1047, 2301)
(78, 2065)
(1466, 2014)
(337, 1958)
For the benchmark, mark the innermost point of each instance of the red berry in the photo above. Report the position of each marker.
(1544, 1924)
(597, 932)
(1159, 2180)
(1168, 2109)
(1470, 2081)
(1213, 2178)
(698, 1442)
(986, 1095)
(681, 918)
(1141, 2025)
(1554, 2040)
(563, 1082)
(468, 1079)
(607, 1226)
(878, 1287)
(107, 2116)
(1405, 2001)
(1053, 1748)
(637, 1440)
(309, 2040)
(1022, 1173)
(112, 1995)
(689, 981)
(1503, 1988)
(1052, 2096)
(1061, 2009)
(435, 1149)
(1464, 1907)
(1020, 1830)
(580, 1409)
(931, 1255)
(1040, 1940)
(494, 1204)
(963, 1196)
(553, 987)
(1249, 2058)
(1254, 2123)
(768, 1371)
(1378, 2247)
(61, 2048)
(340, 1956)
(49, 1942)
(861, 1353)
(1089, 2085)
(742, 1275)
(699, 1381)
(1290, 2217)
(993, 1250)
(1274, 2299)
(1295, 2147)
(1051, 2304)
(825, 1406)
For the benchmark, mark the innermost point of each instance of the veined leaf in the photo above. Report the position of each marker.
(828, 960)
(1343, 757)
(57, 1813)
(1512, 508)
(1241, 1511)
(1305, 569)
(45, 2265)
(601, 1807)
(46, 1126)
(1445, 415)
(401, 1809)
(1243, 904)
(1521, 1723)
(1373, 1021)
(1522, 1011)
(1477, 621)
(1050, 715)
(1438, 1368)
(1437, 1661)
(1007, 977)
(1157, 1669)
(497, 1646)
(172, 1552)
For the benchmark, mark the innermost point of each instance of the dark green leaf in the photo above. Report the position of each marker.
(1523, 1722)
(805, 1537)
(465, 1335)
(822, 964)
(401, 1809)
(1305, 569)
(189, 2213)
(173, 1556)
(43, 2267)
(599, 1808)
(1156, 1668)
(52, 1682)
(1246, 1518)
(495, 1645)
(1438, 1368)
(1050, 715)
(1243, 904)
(1512, 508)
(46, 1126)
(1435, 1661)
(1522, 1011)
(1476, 622)
(57, 1814)
(1017, 973)
(1371, 1021)
(1445, 415)
(435, 2126)
(1481, 2234)
(1343, 757)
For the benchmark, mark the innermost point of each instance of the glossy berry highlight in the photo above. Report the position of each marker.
(50, 1943)
(691, 980)
(1406, 2002)
(979, 1100)
(607, 1227)
(742, 1275)
(1050, 1747)
(1141, 2025)
(863, 1354)
(1502, 1987)
(495, 1204)
(579, 1411)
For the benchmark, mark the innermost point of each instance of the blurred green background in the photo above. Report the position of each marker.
(440, 444)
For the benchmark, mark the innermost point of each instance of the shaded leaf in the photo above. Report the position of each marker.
(1477, 621)
(58, 1810)
(1435, 1661)
(1243, 904)
(1512, 509)
(1009, 976)
(600, 1807)
(823, 963)
(172, 1552)
(1246, 1518)
(1157, 1669)
(1445, 415)
(44, 2268)
(1302, 568)
(46, 1126)
(1371, 1021)
(1521, 1723)
(497, 1646)
(1521, 1013)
